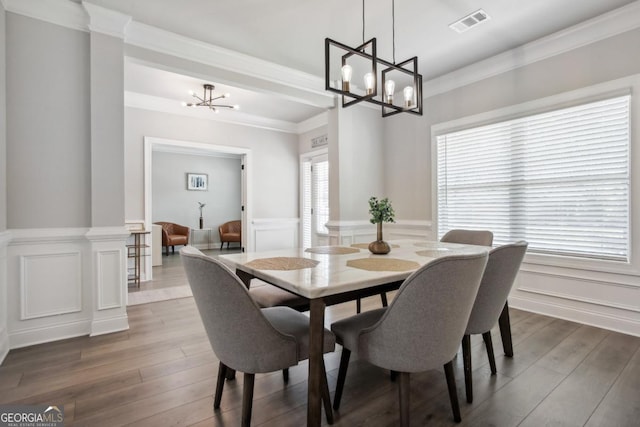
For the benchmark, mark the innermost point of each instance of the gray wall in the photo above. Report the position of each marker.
(48, 149)
(3, 123)
(172, 202)
(274, 155)
(408, 159)
(356, 163)
(107, 130)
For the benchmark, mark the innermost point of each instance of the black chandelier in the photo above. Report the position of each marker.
(208, 100)
(364, 60)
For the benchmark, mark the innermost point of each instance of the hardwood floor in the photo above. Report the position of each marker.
(161, 372)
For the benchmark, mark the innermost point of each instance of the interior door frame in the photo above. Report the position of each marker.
(245, 159)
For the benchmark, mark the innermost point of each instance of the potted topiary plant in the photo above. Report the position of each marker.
(381, 211)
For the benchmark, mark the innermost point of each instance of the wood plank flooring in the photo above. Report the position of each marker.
(161, 372)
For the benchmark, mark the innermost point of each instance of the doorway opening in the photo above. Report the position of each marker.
(151, 145)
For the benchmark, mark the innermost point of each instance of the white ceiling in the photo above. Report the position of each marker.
(292, 33)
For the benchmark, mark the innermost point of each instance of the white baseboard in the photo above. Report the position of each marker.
(109, 325)
(556, 308)
(44, 334)
(4, 345)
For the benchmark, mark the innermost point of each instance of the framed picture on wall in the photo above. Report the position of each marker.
(197, 181)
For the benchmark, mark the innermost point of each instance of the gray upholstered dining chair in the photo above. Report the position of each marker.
(497, 280)
(469, 237)
(420, 330)
(243, 336)
(484, 238)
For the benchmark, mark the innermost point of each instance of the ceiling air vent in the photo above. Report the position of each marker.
(471, 20)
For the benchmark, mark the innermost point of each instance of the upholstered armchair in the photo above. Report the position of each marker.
(173, 234)
(230, 232)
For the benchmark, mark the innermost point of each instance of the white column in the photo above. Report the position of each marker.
(107, 238)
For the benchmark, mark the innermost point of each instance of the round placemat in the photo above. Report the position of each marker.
(282, 263)
(332, 250)
(383, 264)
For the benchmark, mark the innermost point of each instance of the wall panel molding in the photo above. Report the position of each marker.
(275, 233)
(615, 320)
(109, 269)
(50, 284)
(62, 283)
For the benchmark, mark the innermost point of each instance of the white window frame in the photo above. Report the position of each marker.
(320, 154)
(624, 86)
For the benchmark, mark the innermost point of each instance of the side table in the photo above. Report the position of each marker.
(200, 238)
(136, 251)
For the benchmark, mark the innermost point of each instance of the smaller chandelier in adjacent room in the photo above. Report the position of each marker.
(209, 100)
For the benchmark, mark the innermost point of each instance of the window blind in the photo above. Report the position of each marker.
(321, 195)
(559, 180)
(306, 204)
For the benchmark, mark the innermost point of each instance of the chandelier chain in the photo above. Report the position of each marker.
(393, 28)
(362, 21)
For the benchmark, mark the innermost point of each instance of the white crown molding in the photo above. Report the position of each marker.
(164, 105)
(5, 238)
(152, 38)
(314, 122)
(64, 13)
(602, 27)
(106, 21)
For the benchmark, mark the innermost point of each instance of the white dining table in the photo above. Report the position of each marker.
(332, 274)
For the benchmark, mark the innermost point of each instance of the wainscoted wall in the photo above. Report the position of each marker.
(274, 233)
(5, 237)
(345, 233)
(65, 282)
(600, 298)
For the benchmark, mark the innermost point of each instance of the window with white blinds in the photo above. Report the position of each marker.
(320, 176)
(315, 199)
(559, 180)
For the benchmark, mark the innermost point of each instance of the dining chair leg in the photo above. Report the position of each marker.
(358, 306)
(383, 298)
(393, 375)
(342, 376)
(405, 404)
(326, 397)
(221, 245)
(222, 373)
(231, 374)
(285, 375)
(453, 393)
(466, 356)
(505, 331)
(247, 399)
(488, 343)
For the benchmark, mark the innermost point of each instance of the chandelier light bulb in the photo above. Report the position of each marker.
(226, 95)
(236, 107)
(369, 82)
(389, 89)
(347, 71)
(192, 93)
(408, 96)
